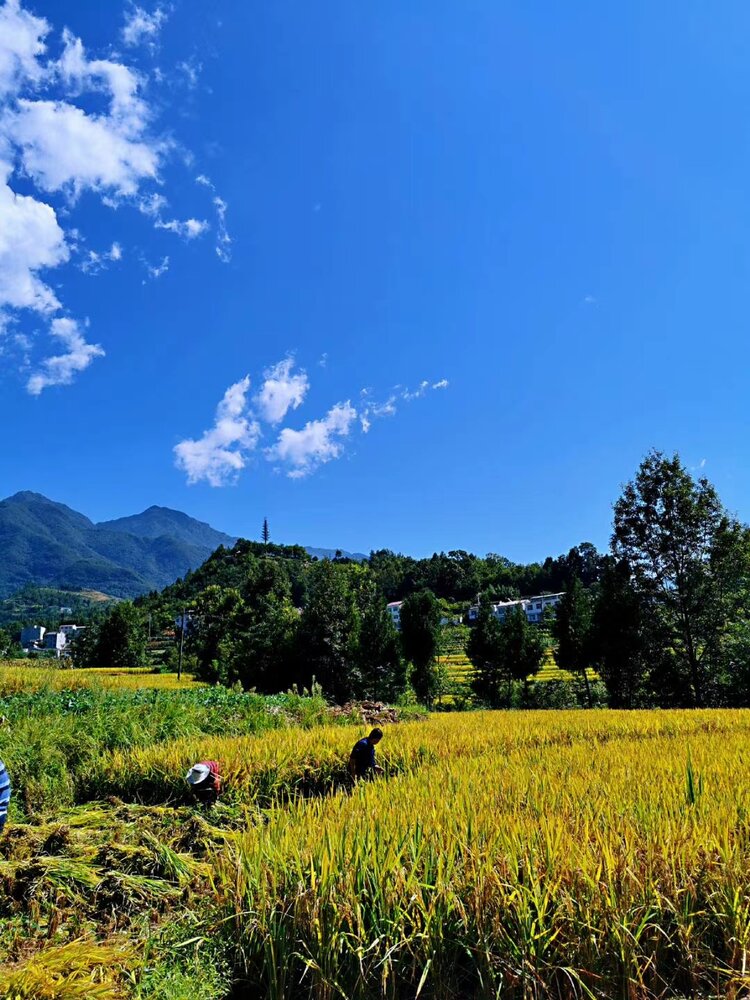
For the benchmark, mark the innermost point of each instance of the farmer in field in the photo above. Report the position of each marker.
(4, 795)
(205, 781)
(362, 759)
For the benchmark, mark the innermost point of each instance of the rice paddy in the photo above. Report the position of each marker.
(458, 669)
(503, 854)
(21, 675)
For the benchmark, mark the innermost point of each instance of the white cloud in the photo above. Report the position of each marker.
(96, 261)
(70, 123)
(64, 148)
(223, 239)
(60, 369)
(127, 110)
(389, 407)
(21, 43)
(191, 70)
(157, 270)
(30, 241)
(281, 391)
(416, 393)
(221, 453)
(140, 26)
(188, 228)
(317, 442)
(152, 204)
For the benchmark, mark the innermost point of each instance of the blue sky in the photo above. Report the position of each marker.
(307, 218)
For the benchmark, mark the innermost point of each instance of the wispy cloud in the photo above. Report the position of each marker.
(191, 71)
(157, 270)
(61, 368)
(223, 239)
(298, 452)
(221, 453)
(96, 261)
(371, 410)
(141, 27)
(188, 229)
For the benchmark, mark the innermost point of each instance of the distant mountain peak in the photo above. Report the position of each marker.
(27, 496)
(49, 544)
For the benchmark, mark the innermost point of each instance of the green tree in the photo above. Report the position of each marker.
(329, 631)
(683, 551)
(264, 648)
(486, 652)
(572, 630)
(266, 532)
(381, 666)
(212, 632)
(523, 647)
(623, 644)
(120, 641)
(420, 641)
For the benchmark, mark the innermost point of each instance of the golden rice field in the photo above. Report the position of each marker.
(459, 669)
(504, 854)
(21, 675)
(521, 854)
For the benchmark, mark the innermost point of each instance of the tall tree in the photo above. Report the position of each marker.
(523, 646)
(121, 640)
(381, 665)
(266, 531)
(625, 643)
(486, 652)
(329, 631)
(420, 641)
(572, 629)
(677, 539)
(264, 648)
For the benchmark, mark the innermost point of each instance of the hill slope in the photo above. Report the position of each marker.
(50, 545)
(157, 521)
(47, 543)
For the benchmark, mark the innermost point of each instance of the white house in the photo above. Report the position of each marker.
(55, 641)
(394, 610)
(533, 606)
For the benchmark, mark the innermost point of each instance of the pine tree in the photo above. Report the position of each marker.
(266, 532)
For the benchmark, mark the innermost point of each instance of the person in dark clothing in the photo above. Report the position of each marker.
(205, 781)
(362, 759)
(4, 795)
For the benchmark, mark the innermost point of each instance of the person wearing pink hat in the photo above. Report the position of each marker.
(205, 781)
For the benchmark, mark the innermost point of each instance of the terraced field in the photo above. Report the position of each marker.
(459, 669)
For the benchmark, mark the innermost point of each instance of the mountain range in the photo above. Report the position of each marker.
(46, 543)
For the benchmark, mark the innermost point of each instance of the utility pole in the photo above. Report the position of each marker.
(182, 641)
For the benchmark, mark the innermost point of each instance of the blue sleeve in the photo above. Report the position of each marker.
(4, 791)
(372, 754)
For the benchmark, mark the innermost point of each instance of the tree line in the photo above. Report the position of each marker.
(667, 621)
(663, 617)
